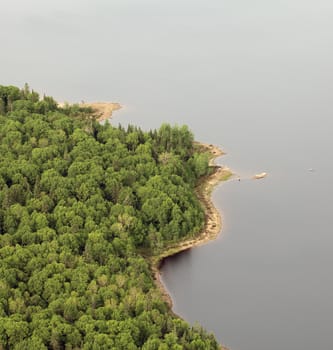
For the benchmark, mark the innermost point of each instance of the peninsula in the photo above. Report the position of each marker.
(85, 208)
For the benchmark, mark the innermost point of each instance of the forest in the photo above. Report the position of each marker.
(82, 205)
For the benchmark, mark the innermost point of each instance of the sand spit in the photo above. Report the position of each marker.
(103, 110)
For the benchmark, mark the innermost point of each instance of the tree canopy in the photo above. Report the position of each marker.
(79, 203)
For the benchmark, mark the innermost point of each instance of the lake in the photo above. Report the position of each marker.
(254, 77)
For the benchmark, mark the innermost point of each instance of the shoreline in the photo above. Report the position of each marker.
(103, 110)
(213, 220)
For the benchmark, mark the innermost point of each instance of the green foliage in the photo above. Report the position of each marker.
(78, 202)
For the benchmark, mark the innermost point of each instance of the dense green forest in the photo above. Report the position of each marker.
(81, 207)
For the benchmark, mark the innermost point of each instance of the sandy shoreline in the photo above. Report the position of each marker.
(102, 110)
(213, 222)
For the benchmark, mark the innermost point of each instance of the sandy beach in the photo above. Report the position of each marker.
(103, 110)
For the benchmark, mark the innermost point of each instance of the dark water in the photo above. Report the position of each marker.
(254, 77)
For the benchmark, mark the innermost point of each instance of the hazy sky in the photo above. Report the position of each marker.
(103, 49)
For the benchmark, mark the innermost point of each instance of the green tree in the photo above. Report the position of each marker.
(82, 207)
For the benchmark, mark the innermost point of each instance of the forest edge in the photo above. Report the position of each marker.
(213, 221)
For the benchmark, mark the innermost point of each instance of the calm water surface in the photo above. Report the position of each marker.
(254, 77)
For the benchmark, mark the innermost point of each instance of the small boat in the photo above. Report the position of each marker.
(260, 176)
